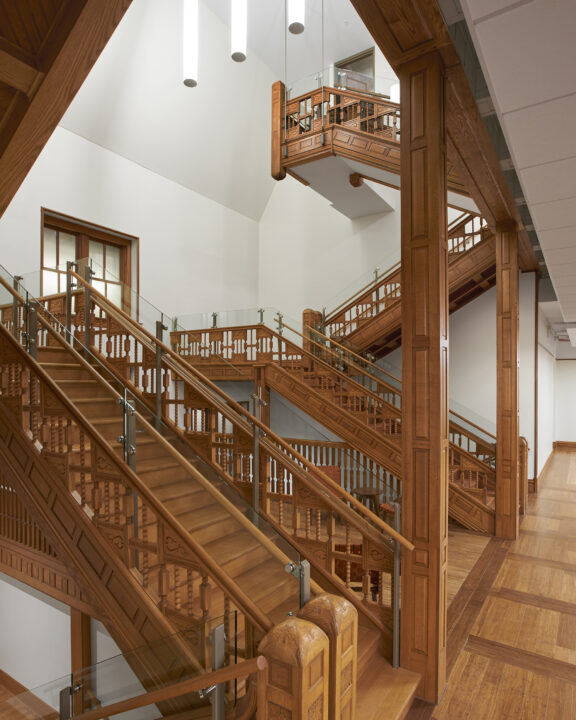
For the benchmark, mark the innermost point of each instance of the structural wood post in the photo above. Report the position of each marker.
(507, 381)
(297, 676)
(81, 658)
(425, 372)
(338, 618)
(278, 129)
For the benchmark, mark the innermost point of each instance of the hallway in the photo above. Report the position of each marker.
(512, 625)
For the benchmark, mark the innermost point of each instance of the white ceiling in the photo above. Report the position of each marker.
(528, 56)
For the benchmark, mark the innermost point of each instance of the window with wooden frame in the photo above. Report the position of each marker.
(113, 256)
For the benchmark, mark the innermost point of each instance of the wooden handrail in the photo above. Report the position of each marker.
(134, 482)
(199, 381)
(361, 94)
(354, 354)
(392, 269)
(469, 422)
(184, 687)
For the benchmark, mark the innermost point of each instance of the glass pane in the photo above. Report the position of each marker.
(114, 293)
(49, 259)
(97, 254)
(49, 282)
(112, 262)
(67, 249)
(100, 286)
(62, 277)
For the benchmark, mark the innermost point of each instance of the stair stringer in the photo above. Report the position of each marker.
(339, 421)
(461, 506)
(129, 615)
(373, 332)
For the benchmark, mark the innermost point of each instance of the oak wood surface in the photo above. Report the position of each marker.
(515, 655)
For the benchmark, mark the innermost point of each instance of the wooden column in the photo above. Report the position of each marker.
(310, 319)
(507, 381)
(81, 657)
(425, 373)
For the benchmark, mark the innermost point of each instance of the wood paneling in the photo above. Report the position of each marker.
(425, 373)
(47, 49)
(507, 494)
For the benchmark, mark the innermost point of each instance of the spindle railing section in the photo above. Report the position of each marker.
(385, 291)
(346, 382)
(329, 106)
(176, 574)
(304, 504)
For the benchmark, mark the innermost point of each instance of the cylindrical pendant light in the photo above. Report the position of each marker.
(296, 16)
(190, 40)
(239, 29)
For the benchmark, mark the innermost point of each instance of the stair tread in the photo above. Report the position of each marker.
(384, 693)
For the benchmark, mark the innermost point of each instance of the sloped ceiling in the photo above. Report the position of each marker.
(215, 138)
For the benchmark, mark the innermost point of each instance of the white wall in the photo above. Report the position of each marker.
(195, 254)
(311, 255)
(35, 636)
(546, 389)
(565, 411)
(35, 649)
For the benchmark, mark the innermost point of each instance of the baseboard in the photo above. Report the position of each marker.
(564, 446)
(11, 685)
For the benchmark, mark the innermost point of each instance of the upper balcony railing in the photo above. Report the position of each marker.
(328, 106)
(357, 124)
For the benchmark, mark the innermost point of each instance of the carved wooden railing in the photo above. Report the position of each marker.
(385, 291)
(302, 503)
(328, 106)
(350, 467)
(176, 573)
(368, 393)
(16, 523)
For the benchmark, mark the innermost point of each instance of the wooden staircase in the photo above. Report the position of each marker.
(189, 552)
(370, 322)
(356, 405)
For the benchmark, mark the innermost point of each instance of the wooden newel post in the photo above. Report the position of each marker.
(296, 679)
(278, 129)
(310, 319)
(338, 618)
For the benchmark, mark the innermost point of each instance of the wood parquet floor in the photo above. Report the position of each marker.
(512, 625)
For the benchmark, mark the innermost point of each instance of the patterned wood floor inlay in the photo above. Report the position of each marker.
(512, 624)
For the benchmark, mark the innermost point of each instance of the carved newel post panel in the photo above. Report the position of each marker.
(338, 618)
(296, 686)
(313, 319)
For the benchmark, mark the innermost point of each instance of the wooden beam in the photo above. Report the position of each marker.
(409, 28)
(507, 381)
(424, 372)
(80, 657)
(18, 74)
(80, 51)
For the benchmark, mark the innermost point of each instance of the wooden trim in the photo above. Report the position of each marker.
(564, 445)
(507, 493)
(533, 662)
(96, 23)
(30, 568)
(425, 443)
(18, 74)
(33, 703)
(192, 685)
(534, 480)
(278, 119)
